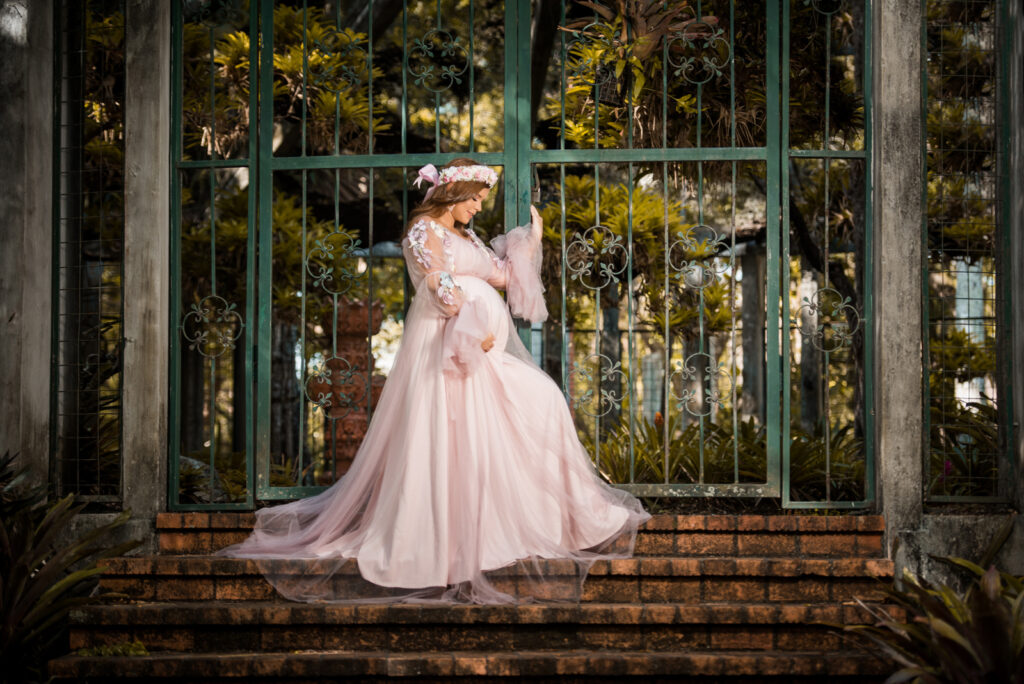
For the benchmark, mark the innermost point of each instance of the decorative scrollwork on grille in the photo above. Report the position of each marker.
(596, 257)
(330, 262)
(700, 52)
(832, 320)
(586, 66)
(438, 60)
(693, 257)
(337, 61)
(701, 401)
(582, 376)
(826, 7)
(212, 326)
(335, 388)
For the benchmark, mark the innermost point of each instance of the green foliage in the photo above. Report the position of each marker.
(974, 636)
(45, 572)
(729, 455)
(632, 49)
(964, 448)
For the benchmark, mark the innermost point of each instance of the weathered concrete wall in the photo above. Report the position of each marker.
(26, 224)
(147, 239)
(897, 192)
(962, 536)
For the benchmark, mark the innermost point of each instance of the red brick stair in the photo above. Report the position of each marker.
(708, 598)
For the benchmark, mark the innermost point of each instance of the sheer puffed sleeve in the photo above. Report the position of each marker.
(518, 271)
(428, 255)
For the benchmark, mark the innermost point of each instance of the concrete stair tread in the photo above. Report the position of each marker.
(659, 522)
(186, 565)
(690, 535)
(270, 613)
(603, 662)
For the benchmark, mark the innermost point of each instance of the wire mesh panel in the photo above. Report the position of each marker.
(965, 238)
(89, 250)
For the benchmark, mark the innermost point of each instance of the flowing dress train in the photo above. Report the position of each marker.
(471, 462)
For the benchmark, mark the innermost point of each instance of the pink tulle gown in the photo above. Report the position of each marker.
(471, 462)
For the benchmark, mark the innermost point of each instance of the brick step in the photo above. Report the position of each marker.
(687, 535)
(270, 626)
(534, 666)
(632, 580)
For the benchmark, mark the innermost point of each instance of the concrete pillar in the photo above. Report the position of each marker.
(146, 255)
(26, 227)
(1016, 228)
(897, 176)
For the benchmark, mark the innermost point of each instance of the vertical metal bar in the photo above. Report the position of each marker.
(869, 269)
(784, 371)
(827, 426)
(212, 182)
(369, 291)
(1008, 30)
(174, 310)
(305, 75)
(265, 238)
(561, 196)
(250, 260)
(522, 99)
(598, 322)
(300, 457)
(631, 376)
(369, 82)
(404, 116)
(522, 159)
(56, 234)
(732, 246)
(509, 176)
(472, 74)
(776, 175)
(666, 420)
(437, 96)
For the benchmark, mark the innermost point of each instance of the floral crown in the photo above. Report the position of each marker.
(455, 174)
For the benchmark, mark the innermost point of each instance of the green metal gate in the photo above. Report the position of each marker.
(672, 155)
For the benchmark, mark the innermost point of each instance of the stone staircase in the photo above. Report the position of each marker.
(707, 598)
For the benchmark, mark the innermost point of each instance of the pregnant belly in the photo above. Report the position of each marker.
(490, 304)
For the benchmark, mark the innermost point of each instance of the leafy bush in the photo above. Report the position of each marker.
(727, 455)
(976, 636)
(43, 574)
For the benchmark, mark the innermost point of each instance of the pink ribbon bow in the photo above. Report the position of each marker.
(430, 174)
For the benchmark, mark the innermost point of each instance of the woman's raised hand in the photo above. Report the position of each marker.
(537, 222)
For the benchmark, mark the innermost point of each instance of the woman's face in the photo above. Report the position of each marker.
(464, 211)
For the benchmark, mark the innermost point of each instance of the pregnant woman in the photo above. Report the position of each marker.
(471, 461)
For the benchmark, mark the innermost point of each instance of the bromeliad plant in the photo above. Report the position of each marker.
(43, 573)
(973, 637)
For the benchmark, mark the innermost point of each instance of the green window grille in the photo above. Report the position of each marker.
(708, 236)
(966, 229)
(88, 338)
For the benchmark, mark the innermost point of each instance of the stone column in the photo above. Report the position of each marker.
(146, 255)
(1016, 228)
(897, 177)
(26, 229)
